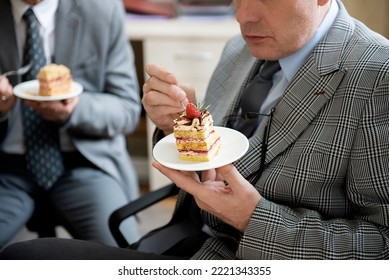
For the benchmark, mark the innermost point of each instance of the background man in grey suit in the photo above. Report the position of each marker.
(87, 36)
(323, 190)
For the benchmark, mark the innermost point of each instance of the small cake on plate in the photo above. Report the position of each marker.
(54, 80)
(196, 138)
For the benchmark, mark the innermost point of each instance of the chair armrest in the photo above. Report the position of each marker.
(135, 206)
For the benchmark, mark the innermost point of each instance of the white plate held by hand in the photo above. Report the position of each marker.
(233, 146)
(30, 90)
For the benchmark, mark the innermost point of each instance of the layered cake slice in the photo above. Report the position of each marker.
(54, 80)
(196, 138)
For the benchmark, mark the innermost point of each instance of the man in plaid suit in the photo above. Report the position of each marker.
(323, 192)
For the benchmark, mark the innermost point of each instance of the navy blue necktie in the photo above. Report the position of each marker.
(254, 95)
(43, 156)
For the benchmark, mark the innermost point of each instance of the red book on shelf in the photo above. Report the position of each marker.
(150, 7)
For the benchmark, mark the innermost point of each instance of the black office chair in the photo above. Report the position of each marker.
(46, 218)
(134, 207)
(188, 220)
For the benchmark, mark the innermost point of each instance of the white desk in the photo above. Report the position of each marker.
(189, 47)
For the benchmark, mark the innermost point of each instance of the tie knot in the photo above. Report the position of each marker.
(29, 17)
(269, 68)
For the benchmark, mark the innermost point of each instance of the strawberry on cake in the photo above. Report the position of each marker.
(196, 138)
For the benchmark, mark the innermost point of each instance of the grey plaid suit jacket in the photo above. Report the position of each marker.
(325, 187)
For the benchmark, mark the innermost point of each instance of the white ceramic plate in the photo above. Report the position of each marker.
(233, 146)
(30, 90)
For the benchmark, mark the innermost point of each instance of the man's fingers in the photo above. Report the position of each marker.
(181, 179)
(231, 175)
(155, 70)
(163, 86)
(208, 175)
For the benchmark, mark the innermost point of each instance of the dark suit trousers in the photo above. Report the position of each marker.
(84, 195)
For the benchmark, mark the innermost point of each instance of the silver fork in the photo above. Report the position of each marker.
(182, 105)
(22, 70)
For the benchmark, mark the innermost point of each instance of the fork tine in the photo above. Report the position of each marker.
(22, 70)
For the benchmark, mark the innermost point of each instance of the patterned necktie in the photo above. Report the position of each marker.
(43, 156)
(254, 95)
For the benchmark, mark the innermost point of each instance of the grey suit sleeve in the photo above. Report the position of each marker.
(110, 104)
(325, 194)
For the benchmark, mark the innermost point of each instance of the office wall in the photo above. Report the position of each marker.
(374, 13)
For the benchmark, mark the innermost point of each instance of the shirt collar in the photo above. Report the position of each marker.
(44, 11)
(292, 63)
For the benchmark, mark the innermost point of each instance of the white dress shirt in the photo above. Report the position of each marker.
(45, 13)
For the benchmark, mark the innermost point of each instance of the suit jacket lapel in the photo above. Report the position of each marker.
(68, 30)
(302, 101)
(310, 89)
(9, 54)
